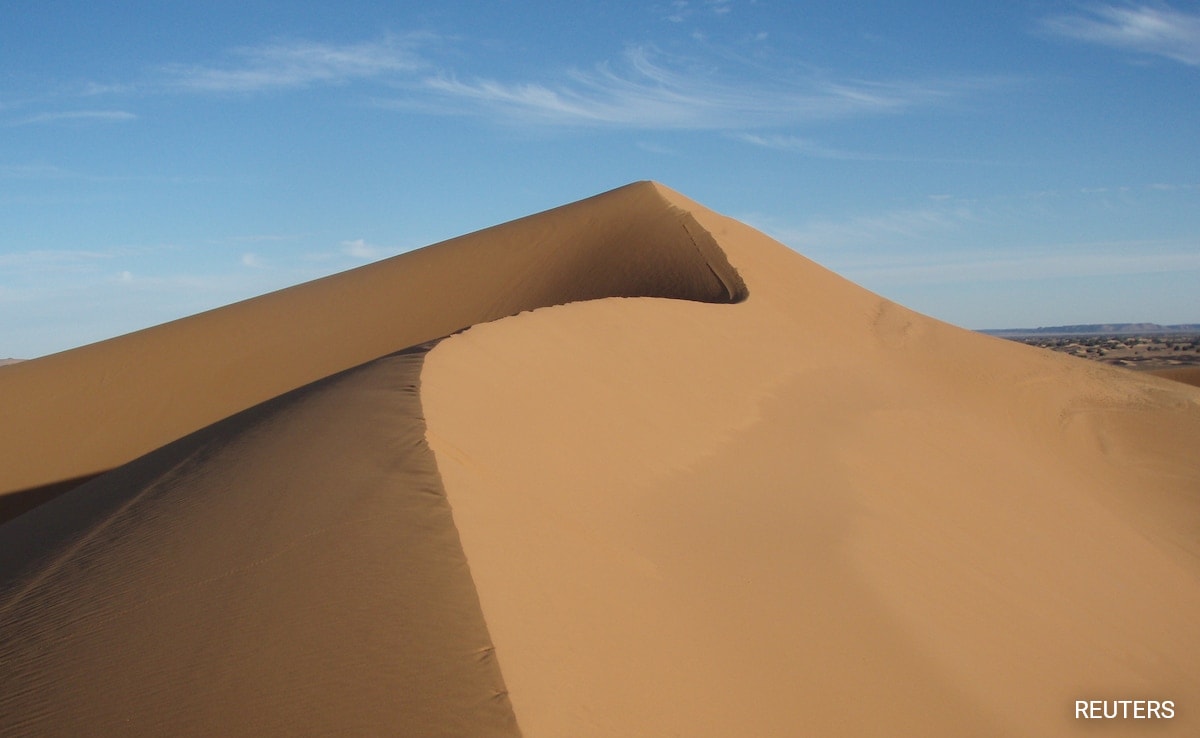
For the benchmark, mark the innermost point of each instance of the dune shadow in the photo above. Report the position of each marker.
(13, 504)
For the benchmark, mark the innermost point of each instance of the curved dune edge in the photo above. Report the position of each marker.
(815, 512)
(292, 570)
(75, 414)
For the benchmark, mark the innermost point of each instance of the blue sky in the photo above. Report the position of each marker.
(991, 164)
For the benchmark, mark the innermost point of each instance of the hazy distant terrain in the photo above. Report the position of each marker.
(1140, 350)
(1095, 329)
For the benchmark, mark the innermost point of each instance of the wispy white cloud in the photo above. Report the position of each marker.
(253, 260)
(720, 7)
(656, 148)
(41, 265)
(650, 91)
(76, 116)
(34, 171)
(678, 11)
(814, 149)
(24, 263)
(804, 147)
(1156, 29)
(1173, 187)
(92, 89)
(642, 89)
(1154, 188)
(360, 249)
(297, 64)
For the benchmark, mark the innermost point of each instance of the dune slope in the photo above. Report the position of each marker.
(815, 512)
(72, 415)
(291, 570)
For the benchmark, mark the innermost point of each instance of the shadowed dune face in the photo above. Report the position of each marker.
(15, 503)
(81, 412)
(292, 570)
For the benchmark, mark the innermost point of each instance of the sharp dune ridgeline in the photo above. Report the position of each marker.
(624, 468)
(118, 399)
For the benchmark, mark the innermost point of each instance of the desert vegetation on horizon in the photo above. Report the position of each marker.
(1132, 350)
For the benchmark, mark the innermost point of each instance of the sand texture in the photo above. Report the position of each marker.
(673, 479)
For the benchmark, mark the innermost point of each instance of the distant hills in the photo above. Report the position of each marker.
(1100, 329)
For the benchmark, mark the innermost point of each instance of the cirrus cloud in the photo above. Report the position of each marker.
(648, 90)
(1150, 29)
(296, 64)
(67, 116)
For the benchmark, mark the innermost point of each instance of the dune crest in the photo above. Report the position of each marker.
(161, 383)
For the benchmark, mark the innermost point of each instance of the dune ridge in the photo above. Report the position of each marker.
(161, 383)
(600, 512)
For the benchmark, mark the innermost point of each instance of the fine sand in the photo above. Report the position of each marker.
(773, 504)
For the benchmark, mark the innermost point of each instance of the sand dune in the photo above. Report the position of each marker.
(72, 415)
(775, 505)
